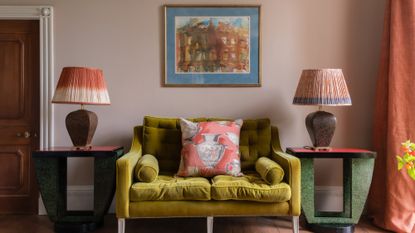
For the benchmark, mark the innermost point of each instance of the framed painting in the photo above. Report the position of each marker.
(212, 45)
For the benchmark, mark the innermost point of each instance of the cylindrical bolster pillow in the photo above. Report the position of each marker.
(269, 170)
(147, 168)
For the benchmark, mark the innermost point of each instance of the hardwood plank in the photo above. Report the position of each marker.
(41, 224)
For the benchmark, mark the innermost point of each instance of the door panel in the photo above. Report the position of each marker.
(15, 167)
(19, 114)
(11, 83)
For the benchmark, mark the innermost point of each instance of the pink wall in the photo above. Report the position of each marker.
(125, 39)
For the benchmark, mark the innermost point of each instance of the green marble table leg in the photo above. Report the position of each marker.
(51, 177)
(362, 171)
(307, 188)
(357, 179)
(104, 186)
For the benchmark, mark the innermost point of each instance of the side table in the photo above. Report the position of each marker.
(357, 176)
(51, 174)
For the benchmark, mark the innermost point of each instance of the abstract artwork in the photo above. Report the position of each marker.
(212, 45)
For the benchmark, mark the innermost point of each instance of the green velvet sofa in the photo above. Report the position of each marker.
(171, 196)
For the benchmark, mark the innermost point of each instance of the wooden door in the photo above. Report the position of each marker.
(19, 114)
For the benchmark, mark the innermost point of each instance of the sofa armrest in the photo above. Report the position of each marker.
(125, 175)
(292, 169)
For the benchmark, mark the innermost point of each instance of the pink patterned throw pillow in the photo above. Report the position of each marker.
(210, 148)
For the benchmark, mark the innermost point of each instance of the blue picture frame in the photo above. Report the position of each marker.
(212, 46)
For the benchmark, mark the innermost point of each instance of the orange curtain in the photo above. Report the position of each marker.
(391, 200)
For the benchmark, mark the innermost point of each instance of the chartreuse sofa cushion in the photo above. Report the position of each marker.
(170, 188)
(270, 171)
(249, 187)
(147, 168)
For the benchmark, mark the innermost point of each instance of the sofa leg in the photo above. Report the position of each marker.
(121, 225)
(209, 224)
(296, 224)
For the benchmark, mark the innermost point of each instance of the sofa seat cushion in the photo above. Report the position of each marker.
(249, 187)
(170, 188)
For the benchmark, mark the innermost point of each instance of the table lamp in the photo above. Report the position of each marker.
(81, 85)
(321, 87)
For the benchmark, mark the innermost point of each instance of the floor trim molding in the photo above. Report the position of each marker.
(329, 198)
(82, 198)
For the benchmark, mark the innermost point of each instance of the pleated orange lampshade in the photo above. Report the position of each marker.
(322, 87)
(81, 85)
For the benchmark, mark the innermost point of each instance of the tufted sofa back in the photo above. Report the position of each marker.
(162, 138)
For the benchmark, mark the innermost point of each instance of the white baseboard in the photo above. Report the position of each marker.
(327, 198)
(78, 198)
(42, 210)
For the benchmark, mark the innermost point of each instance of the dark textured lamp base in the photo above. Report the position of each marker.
(320, 126)
(81, 126)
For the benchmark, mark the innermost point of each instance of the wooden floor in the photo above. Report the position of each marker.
(41, 224)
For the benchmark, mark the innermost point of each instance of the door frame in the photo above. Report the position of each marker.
(45, 16)
(46, 61)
